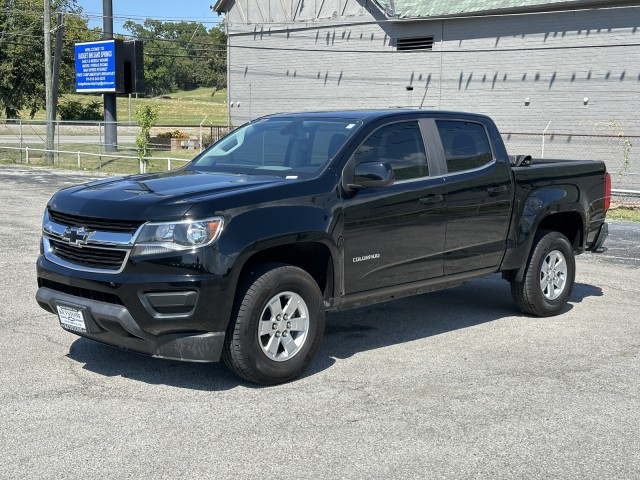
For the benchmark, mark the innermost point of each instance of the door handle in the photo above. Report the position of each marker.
(497, 189)
(431, 199)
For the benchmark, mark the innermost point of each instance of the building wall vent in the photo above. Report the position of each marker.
(415, 43)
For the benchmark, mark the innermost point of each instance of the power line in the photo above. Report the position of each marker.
(168, 55)
(118, 18)
(37, 37)
(221, 48)
(329, 24)
(144, 17)
(409, 52)
(23, 44)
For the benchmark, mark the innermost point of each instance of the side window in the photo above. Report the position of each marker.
(401, 146)
(466, 145)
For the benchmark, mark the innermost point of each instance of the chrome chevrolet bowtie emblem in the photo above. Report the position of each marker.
(76, 235)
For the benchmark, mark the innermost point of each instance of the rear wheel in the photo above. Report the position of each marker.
(277, 326)
(549, 276)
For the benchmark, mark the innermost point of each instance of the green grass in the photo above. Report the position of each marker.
(183, 108)
(625, 214)
(99, 163)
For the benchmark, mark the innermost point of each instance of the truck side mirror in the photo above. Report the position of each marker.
(371, 175)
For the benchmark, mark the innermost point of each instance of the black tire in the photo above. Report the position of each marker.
(535, 294)
(252, 356)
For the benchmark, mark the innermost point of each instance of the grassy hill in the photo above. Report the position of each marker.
(178, 108)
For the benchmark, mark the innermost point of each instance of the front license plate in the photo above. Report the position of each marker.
(71, 319)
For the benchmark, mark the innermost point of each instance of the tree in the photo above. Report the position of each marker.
(215, 75)
(77, 110)
(21, 57)
(146, 116)
(181, 55)
(22, 52)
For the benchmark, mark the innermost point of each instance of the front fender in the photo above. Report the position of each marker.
(271, 225)
(280, 233)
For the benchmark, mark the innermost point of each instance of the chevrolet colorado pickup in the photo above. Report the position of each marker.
(238, 255)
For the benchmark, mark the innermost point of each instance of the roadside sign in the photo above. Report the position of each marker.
(97, 66)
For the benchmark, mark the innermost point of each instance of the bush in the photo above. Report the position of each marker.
(207, 140)
(174, 134)
(147, 116)
(76, 110)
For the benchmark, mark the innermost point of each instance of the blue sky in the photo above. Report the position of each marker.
(138, 10)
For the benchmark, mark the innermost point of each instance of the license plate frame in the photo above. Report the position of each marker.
(72, 318)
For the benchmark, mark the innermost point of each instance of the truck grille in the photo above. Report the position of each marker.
(87, 243)
(93, 223)
(91, 257)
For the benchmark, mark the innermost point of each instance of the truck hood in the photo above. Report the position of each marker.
(156, 197)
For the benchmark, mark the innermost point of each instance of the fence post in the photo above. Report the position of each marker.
(27, 154)
(200, 138)
(78, 160)
(21, 141)
(57, 123)
(168, 164)
(543, 134)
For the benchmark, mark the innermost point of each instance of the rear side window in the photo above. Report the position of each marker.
(466, 145)
(401, 146)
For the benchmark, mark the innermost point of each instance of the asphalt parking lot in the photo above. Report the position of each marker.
(454, 384)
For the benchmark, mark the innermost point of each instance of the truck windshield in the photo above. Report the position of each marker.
(286, 147)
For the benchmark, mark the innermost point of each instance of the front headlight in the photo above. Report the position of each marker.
(155, 238)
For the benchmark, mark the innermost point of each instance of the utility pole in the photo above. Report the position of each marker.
(48, 83)
(57, 57)
(56, 62)
(110, 115)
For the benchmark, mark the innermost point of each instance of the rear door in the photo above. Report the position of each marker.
(396, 234)
(479, 195)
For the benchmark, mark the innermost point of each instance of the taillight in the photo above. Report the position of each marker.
(607, 192)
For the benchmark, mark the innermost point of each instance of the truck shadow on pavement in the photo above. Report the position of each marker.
(404, 320)
(346, 334)
(113, 362)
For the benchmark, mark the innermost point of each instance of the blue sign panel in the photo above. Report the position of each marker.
(96, 66)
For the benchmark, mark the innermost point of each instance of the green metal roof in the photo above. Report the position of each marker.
(444, 8)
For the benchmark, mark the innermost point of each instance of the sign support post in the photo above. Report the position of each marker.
(110, 114)
(109, 66)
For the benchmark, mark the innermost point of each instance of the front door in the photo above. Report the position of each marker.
(396, 234)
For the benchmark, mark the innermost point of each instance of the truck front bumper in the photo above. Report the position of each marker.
(114, 325)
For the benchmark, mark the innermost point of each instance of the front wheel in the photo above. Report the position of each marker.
(549, 276)
(277, 326)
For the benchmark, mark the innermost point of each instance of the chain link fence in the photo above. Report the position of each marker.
(81, 145)
(620, 152)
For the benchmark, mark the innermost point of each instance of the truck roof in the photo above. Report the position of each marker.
(370, 115)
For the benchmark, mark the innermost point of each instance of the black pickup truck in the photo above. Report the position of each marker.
(239, 254)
